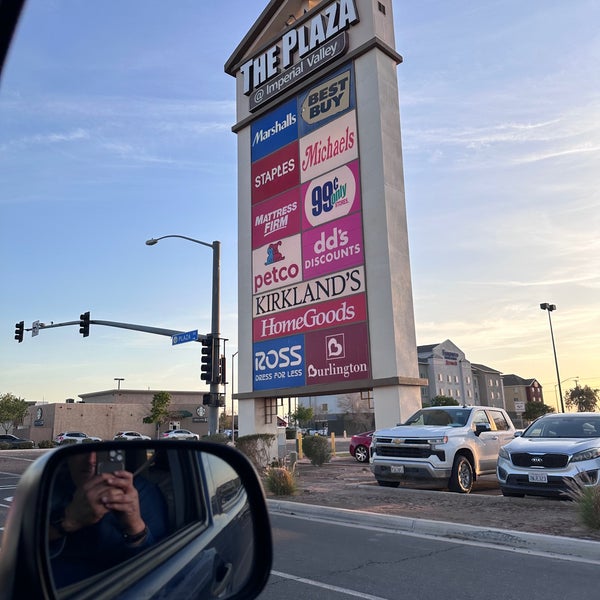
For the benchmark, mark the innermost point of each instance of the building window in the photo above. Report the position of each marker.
(440, 377)
(270, 409)
(449, 378)
(441, 392)
(450, 392)
(457, 393)
(469, 394)
(468, 379)
(456, 379)
(324, 408)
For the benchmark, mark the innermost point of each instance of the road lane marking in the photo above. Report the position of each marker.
(326, 586)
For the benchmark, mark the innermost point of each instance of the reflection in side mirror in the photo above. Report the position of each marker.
(121, 518)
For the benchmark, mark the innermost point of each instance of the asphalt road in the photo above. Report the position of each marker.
(323, 561)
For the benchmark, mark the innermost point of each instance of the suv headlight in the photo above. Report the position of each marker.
(503, 453)
(438, 440)
(586, 455)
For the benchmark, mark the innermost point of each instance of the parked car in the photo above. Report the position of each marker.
(130, 435)
(450, 445)
(180, 434)
(13, 441)
(553, 453)
(359, 446)
(75, 437)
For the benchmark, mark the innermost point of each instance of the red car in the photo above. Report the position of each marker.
(360, 444)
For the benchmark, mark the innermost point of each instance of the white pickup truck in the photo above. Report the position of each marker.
(452, 445)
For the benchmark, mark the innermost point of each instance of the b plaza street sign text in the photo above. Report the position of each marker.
(188, 336)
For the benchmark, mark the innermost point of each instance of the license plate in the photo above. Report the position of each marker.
(397, 469)
(538, 478)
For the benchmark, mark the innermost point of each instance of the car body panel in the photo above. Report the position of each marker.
(360, 441)
(130, 435)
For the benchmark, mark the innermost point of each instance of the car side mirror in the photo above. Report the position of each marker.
(137, 519)
(481, 428)
(518, 433)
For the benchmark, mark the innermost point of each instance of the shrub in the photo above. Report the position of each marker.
(256, 447)
(218, 438)
(46, 444)
(317, 449)
(17, 446)
(280, 481)
(588, 503)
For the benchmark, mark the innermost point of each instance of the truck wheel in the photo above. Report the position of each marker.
(361, 453)
(461, 479)
(388, 483)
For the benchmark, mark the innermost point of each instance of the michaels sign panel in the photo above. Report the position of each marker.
(298, 53)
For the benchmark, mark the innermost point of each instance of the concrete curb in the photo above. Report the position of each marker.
(559, 547)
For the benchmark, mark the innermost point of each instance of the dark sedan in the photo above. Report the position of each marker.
(12, 441)
(359, 446)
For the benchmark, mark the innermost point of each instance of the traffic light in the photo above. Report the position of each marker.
(19, 328)
(222, 370)
(207, 362)
(84, 324)
(206, 399)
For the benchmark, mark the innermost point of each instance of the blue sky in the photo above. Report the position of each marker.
(115, 126)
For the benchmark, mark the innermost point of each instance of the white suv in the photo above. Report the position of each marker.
(75, 437)
(130, 435)
(452, 445)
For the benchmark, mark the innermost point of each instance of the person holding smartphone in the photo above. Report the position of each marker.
(99, 519)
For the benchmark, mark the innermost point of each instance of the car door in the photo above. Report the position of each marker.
(487, 441)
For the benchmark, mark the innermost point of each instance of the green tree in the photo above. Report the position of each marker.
(12, 411)
(159, 410)
(303, 415)
(533, 410)
(584, 399)
(444, 401)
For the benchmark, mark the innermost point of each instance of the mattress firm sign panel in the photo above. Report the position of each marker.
(309, 306)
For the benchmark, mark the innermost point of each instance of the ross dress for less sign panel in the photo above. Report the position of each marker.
(309, 301)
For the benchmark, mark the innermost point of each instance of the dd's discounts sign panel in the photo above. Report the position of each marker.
(309, 306)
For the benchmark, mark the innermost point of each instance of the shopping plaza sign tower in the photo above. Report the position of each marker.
(325, 294)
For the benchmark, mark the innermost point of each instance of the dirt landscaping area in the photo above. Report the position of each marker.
(345, 483)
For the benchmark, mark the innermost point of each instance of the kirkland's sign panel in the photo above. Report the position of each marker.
(307, 293)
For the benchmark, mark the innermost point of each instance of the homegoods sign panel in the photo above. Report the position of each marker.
(309, 300)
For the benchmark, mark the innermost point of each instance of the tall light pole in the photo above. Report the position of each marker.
(232, 390)
(118, 380)
(550, 307)
(213, 408)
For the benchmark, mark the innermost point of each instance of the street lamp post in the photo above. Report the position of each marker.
(550, 307)
(213, 408)
(232, 391)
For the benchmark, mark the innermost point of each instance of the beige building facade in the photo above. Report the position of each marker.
(103, 414)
